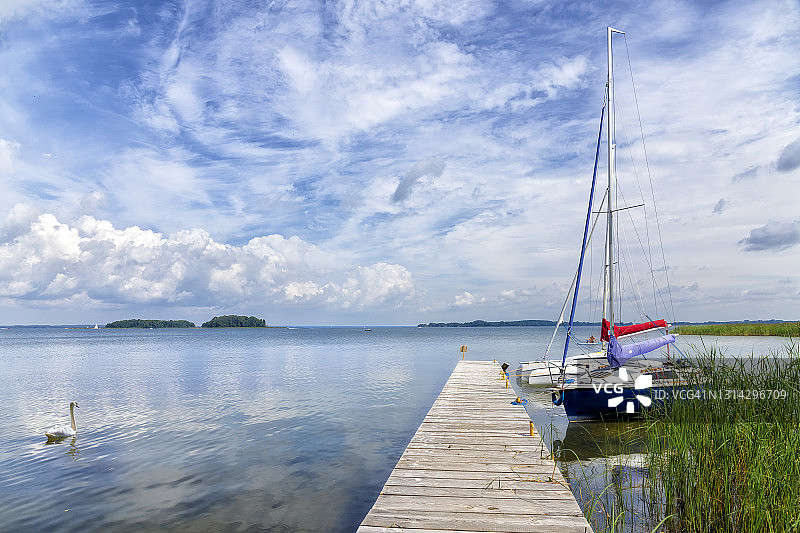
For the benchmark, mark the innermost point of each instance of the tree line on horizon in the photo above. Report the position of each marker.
(225, 321)
(738, 325)
(235, 321)
(501, 323)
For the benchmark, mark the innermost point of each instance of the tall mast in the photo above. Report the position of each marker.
(608, 287)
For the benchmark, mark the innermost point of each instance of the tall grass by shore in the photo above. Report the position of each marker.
(729, 459)
(751, 329)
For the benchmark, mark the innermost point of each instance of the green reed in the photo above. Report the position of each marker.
(724, 459)
(727, 457)
(751, 329)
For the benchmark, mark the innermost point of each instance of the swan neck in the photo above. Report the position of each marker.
(72, 416)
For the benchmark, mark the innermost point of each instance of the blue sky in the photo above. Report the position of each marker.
(388, 162)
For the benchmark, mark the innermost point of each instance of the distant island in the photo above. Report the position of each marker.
(235, 321)
(150, 324)
(227, 321)
(502, 323)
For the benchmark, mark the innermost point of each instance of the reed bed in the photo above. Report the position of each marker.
(726, 457)
(748, 329)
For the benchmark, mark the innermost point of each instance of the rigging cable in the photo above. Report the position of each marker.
(585, 237)
(652, 191)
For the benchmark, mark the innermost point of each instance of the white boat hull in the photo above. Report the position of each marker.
(548, 372)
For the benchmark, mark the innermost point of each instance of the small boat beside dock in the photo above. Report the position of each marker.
(476, 464)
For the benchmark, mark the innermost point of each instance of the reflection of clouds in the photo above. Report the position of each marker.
(182, 429)
(158, 486)
(388, 377)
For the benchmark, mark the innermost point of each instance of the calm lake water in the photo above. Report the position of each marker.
(232, 429)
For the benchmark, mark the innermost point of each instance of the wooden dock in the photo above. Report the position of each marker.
(473, 465)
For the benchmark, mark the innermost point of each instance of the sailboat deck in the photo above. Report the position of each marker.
(474, 466)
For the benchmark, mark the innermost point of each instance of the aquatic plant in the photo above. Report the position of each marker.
(726, 457)
(749, 329)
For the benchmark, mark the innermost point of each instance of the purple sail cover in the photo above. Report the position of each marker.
(619, 353)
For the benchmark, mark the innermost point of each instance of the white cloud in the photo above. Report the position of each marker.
(357, 17)
(301, 290)
(270, 65)
(382, 282)
(305, 118)
(13, 9)
(466, 299)
(8, 151)
(566, 73)
(300, 70)
(92, 259)
(132, 27)
(335, 97)
(456, 13)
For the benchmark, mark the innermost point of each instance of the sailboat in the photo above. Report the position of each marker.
(620, 379)
(547, 371)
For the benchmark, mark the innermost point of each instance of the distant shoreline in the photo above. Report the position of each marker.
(498, 324)
(471, 324)
(511, 323)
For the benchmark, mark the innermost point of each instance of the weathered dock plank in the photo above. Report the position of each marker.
(473, 466)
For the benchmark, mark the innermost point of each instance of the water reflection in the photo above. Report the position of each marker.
(228, 430)
(605, 464)
(589, 440)
(243, 430)
(72, 449)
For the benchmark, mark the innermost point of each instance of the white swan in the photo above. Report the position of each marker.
(61, 432)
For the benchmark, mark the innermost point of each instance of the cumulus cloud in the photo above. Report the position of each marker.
(774, 235)
(44, 259)
(466, 299)
(249, 119)
(790, 157)
(363, 289)
(430, 167)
